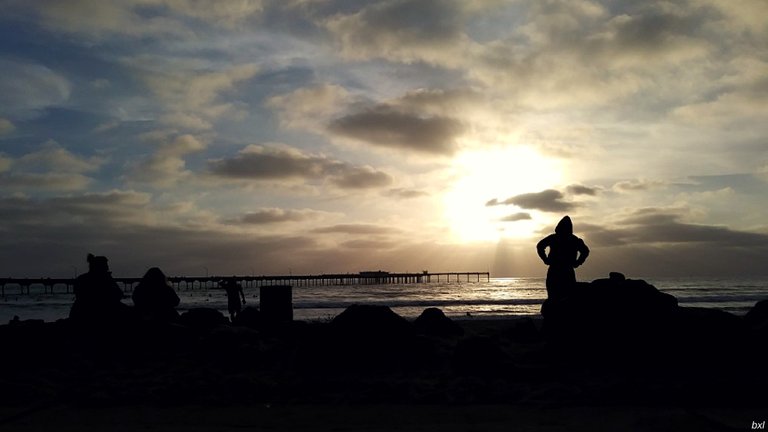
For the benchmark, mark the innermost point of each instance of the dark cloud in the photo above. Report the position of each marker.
(637, 185)
(361, 178)
(367, 229)
(368, 244)
(275, 215)
(401, 29)
(549, 200)
(259, 163)
(405, 193)
(653, 31)
(576, 189)
(114, 207)
(659, 226)
(50, 236)
(387, 127)
(516, 217)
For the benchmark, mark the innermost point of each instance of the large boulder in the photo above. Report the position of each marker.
(371, 321)
(367, 336)
(630, 319)
(433, 322)
(611, 316)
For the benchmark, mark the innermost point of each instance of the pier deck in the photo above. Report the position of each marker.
(199, 282)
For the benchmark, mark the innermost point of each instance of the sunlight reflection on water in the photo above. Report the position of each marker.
(497, 297)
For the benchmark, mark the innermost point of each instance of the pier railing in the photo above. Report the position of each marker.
(23, 285)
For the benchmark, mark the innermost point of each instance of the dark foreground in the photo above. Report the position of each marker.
(370, 369)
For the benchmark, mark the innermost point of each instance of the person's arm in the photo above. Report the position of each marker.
(583, 253)
(541, 248)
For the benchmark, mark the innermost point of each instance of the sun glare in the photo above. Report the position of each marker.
(499, 173)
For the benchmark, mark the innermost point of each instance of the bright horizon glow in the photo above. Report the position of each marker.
(499, 173)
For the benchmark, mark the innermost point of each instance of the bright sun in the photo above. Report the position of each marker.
(499, 173)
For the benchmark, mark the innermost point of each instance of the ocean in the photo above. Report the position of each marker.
(496, 297)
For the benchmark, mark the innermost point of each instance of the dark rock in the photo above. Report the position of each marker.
(616, 314)
(26, 323)
(630, 320)
(371, 321)
(433, 322)
(757, 317)
(709, 336)
(365, 336)
(203, 318)
(249, 317)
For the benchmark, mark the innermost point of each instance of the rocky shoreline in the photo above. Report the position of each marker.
(615, 342)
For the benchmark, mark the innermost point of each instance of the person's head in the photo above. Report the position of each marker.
(154, 276)
(97, 264)
(565, 226)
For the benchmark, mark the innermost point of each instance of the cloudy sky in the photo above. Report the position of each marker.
(307, 136)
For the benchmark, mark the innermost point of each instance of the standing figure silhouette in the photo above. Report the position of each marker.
(566, 252)
(234, 296)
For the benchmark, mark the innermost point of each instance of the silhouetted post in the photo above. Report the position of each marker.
(276, 303)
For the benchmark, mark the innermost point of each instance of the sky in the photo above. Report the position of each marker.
(267, 137)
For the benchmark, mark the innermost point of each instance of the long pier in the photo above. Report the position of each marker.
(66, 285)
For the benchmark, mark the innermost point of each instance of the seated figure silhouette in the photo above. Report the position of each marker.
(97, 296)
(566, 252)
(155, 298)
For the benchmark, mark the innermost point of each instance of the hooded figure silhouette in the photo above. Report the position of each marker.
(566, 252)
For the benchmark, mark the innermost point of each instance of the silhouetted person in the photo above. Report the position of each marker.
(234, 295)
(155, 298)
(97, 296)
(566, 252)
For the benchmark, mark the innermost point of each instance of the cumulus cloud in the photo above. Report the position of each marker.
(667, 226)
(5, 163)
(361, 229)
(626, 186)
(135, 18)
(6, 126)
(361, 177)
(277, 215)
(166, 166)
(402, 30)
(404, 193)
(192, 97)
(514, 217)
(576, 189)
(90, 209)
(273, 163)
(371, 244)
(310, 107)
(51, 167)
(423, 120)
(124, 226)
(549, 200)
(387, 127)
(27, 88)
